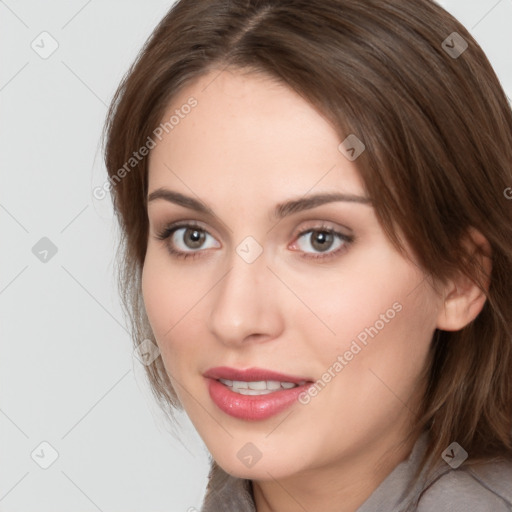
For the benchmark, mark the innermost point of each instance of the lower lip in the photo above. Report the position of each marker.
(253, 407)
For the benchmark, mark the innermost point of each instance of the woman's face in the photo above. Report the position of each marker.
(312, 291)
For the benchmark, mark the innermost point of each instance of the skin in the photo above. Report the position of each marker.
(250, 144)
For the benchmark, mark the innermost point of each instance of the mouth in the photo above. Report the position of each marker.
(254, 393)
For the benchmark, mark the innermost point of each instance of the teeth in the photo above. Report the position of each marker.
(261, 387)
(252, 391)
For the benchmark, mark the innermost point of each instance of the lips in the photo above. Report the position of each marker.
(252, 375)
(254, 393)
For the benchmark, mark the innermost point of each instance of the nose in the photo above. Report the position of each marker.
(245, 303)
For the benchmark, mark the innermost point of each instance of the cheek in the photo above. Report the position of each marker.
(371, 368)
(363, 296)
(381, 316)
(385, 347)
(171, 302)
(161, 294)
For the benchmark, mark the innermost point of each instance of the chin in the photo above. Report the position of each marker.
(250, 463)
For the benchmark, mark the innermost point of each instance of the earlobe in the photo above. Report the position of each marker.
(464, 299)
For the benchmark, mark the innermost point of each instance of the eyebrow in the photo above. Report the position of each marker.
(280, 211)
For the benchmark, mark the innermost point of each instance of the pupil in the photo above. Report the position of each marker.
(323, 240)
(196, 238)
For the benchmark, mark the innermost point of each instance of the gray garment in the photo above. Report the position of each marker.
(484, 488)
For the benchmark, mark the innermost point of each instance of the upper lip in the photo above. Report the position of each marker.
(251, 375)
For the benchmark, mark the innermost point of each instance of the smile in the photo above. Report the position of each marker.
(253, 394)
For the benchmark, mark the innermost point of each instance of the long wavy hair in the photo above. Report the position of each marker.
(418, 90)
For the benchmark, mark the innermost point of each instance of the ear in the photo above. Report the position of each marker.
(463, 298)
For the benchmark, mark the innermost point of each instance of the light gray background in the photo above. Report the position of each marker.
(67, 373)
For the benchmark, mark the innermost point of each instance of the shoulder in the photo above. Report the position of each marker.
(478, 488)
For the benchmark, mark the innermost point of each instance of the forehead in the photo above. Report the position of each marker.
(250, 134)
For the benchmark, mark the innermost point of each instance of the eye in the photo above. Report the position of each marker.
(323, 239)
(188, 238)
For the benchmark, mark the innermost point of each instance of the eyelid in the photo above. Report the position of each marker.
(322, 224)
(184, 223)
(211, 226)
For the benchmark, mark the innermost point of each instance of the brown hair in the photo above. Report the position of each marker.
(438, 134)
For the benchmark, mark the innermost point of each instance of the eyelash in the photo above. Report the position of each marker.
(346, 239)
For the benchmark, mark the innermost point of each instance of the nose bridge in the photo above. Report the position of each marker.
(244, 303)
